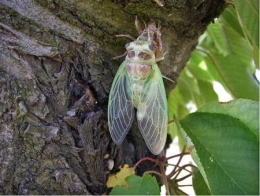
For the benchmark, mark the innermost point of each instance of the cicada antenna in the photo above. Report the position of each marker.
(126, 35)
(120, 56)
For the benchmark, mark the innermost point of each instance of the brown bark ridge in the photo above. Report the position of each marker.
(55, 75)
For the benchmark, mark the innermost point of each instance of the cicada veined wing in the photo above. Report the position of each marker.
(120, 106)
(138, 83)
(152, 112)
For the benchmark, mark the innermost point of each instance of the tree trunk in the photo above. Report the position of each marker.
(56, 70)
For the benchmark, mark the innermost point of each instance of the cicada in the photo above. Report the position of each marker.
(138, 84)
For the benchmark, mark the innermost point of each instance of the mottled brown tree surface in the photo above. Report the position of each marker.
(55, 75)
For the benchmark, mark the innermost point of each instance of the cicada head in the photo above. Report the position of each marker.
(140, 56)
(141, 52)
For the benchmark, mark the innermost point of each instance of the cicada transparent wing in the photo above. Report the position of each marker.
(120, 106)
(152, 112)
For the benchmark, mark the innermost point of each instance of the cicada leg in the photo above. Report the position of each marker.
(127, 36)
(120, 56)
(169, 79)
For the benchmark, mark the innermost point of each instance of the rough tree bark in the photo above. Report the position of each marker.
(55, 75)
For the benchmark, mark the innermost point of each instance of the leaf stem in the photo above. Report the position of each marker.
(177, 155)
(153, 172)
(144, 159)
(183, 178)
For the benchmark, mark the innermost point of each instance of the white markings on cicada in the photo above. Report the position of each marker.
(138, 71)
(137, 90)
(142, 110)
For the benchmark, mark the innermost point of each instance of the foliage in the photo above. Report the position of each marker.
(226, 55)
(223, 137)
(199, 183)
(146, 185)
(126, 183)
(226, 140)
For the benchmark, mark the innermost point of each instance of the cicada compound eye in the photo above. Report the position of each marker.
(131, 54)
(145, 56)
(152, 47)
(127, 45)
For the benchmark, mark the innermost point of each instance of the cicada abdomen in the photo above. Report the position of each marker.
(138, 83)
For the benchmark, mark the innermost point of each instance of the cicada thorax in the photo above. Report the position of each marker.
(139, 60)
(138, 71)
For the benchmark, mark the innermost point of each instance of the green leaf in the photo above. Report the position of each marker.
(207, 91)
(247, 111)
(227, 149)
(193, 151)
(199, 184)
(146, 185)
(176, 107)
(216, 35)
(236, 69)
(229, 18)
(198, 67)
(256, 56)
(248, 16)
(188, 86)
(176, 104)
